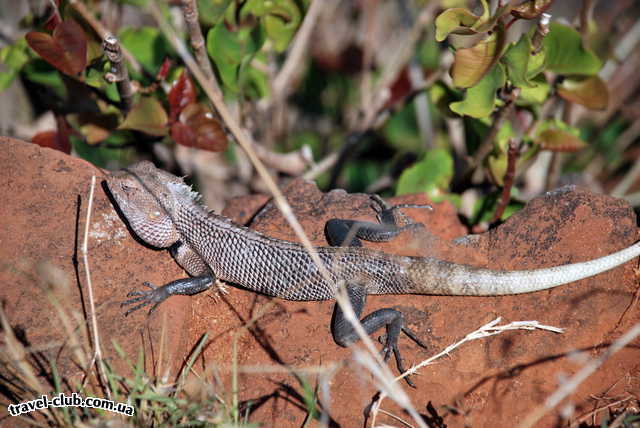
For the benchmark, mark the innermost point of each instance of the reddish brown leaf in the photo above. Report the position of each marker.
(198, 128)
(46, 139)
(399, 89)
(57, 140)
(182, 134)
(164, 70)
(53, 21)
(557, 140)
(66, 50)
(591, 92)
(182, 93)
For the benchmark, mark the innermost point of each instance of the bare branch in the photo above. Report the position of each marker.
(190, 13)
(102, 31)
(290, 71)
(509, 175)
(119, 73)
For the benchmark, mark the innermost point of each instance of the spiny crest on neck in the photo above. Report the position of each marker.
(185, 194)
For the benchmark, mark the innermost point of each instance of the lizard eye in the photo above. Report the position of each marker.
(154, 215)
(126, 188)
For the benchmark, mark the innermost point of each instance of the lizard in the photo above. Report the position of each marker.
(165, 212)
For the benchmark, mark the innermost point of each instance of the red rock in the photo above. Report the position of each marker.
(495, 381)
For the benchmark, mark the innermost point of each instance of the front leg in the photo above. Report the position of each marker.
(157, 295)
(190, 261)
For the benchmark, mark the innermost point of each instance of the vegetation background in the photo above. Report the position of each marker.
(372, 96)
(482, 103)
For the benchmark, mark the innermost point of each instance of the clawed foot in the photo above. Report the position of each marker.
(380, 205)
(157, 295)
(391, 345)
(154, 296)
(391, 217)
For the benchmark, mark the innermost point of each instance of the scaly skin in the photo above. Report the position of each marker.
(164, 212)
(168, 212)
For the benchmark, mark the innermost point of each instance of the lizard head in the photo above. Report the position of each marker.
(147, 197)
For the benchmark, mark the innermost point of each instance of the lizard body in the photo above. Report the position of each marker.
(164, 212)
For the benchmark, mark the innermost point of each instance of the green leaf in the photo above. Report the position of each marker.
(456, 21)
(280, 19)
(147, 45)
(535, 95)
(472, 64)
(565, 53)
(401, 130)
(516, 60)
(147, 116)
(485, 207)
(257, 83)
(14, 57)
(106, 154)
(230, 50)
(480, 100)
(41, 72)
(464, 22)
(361, 173)
(431, 175)
(211, 12)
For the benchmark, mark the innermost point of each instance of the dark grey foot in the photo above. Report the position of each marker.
(390, 342)
(344, 333)
(157, 295)
(348, 233)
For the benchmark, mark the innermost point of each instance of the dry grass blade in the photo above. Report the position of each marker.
(246, 142)
(572, 383)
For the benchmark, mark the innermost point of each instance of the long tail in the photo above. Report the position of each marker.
(452, 279)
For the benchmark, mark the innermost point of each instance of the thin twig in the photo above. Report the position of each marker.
(487, 143)
(490, 329)
(507, 184)
(555, 168)
(292, 163)
(395, 65)
(288, 74)
(119, 73)
(416, 78)
(369, 16)
(190, 13)
(102, 32)
(246, 142)
(571, 384)
(629, 180)
(387, 386)
(97, 356)
(557, 158)
(541, 31)
(577, 422)
(378, 120)
(585, 16)
(322, 166)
